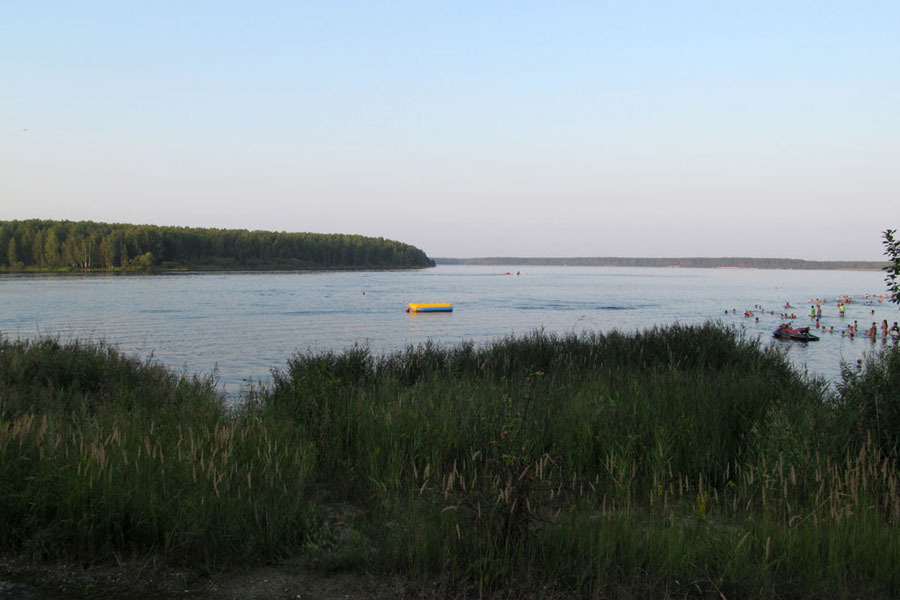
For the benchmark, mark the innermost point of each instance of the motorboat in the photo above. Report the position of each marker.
(800, 334)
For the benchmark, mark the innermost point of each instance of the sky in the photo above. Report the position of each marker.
(627, 128)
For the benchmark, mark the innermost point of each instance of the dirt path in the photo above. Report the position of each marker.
(65, 581)
(20, 580)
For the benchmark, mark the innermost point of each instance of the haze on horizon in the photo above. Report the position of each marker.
(763, 129)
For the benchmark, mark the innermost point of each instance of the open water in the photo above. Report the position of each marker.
(240, 326)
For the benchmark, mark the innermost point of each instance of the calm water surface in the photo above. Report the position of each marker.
(241, 325)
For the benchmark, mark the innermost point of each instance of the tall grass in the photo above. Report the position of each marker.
(681, 461)
(101, 454)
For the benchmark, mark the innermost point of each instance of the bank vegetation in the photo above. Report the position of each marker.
(65, 246)
(677, 462)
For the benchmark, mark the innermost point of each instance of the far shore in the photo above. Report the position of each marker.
(687, 262)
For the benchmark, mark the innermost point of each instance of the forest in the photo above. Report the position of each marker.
(49, 245)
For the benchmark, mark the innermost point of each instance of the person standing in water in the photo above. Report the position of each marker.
(872, 331)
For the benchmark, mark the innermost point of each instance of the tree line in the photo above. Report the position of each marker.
(48, 245)
(691, 262)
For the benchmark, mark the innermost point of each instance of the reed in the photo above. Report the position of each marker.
(103, 455)
(677, 462)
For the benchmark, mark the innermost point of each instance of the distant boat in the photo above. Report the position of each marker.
(430, 307)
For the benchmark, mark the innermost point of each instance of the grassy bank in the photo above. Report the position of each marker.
(682, 461)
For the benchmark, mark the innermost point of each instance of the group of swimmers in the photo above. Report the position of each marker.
(872, 331)
(815, 312)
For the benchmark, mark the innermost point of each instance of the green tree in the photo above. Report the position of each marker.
(892, 250)
(51, 249)
(26, 241)
(12, 252)
(108, 251)
(37, 249)
(86, 245)
(144, 261)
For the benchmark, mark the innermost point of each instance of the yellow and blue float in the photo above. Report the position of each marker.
(429, 307)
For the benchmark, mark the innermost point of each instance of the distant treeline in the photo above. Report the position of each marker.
(697, 262)
(40, 245)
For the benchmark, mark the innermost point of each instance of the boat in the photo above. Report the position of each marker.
(800, 334)
(429, 307)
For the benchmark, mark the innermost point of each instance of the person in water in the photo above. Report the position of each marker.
(872, 331)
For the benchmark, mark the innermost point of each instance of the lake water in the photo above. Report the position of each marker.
(242, 325)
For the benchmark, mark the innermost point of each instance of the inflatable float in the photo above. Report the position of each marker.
(430, 307)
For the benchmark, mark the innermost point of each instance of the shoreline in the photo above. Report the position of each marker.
(788, 264)
(199, 270)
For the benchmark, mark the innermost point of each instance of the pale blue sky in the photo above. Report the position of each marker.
(468, 128)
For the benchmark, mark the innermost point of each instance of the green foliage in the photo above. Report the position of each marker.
(102, 455)
(677, 462)
(84, 245)
(144, 261)
(869, 401)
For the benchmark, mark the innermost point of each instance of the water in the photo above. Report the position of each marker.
(240, 326)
